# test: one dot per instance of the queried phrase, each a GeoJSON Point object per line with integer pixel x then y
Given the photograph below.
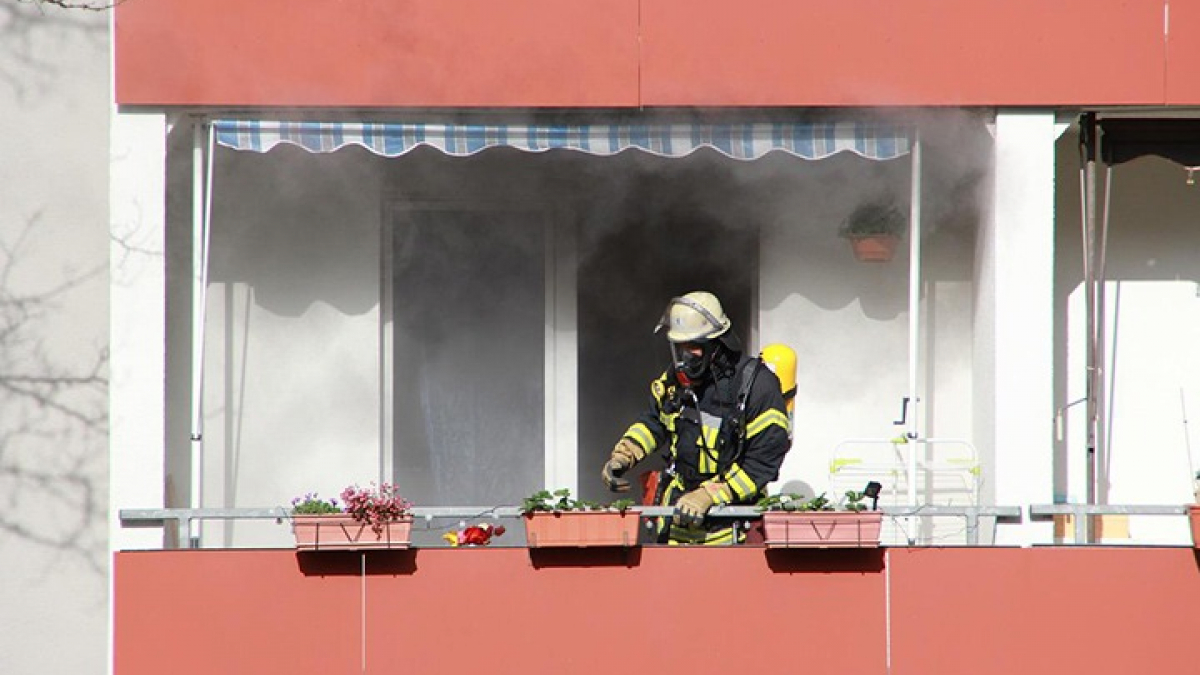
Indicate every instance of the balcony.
{"type": "Point", "coordinates": [505, 608]}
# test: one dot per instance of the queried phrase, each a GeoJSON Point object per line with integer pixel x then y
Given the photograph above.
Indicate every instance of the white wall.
{"type": "Point", "coordinates": [53, 338]}
{"type": "Point", "coordinates": [1022, 254]}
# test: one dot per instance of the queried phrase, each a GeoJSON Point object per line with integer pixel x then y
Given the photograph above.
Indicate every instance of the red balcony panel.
{"type": "Point", "coordinates": [498, 611]}
{"type": "Point", "coordinates": [1044, 611]}
{"type": "Point", "coordinates": [233, 611]}
{"type": "Point", "coordinates": [349, 53]}
{"type": "Point", "coordinates": [589, 612]}
{"type": "Point", "coordinates": [1183, 54]}
{"type": "Point", "coordinates": [915, 52]}
{"type": "Point", "coordinates": [956, 610]}
{"type": "Point", "coordinates": [626, 53]}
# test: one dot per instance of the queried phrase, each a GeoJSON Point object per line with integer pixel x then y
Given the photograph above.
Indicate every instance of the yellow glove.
{"type": "Point", "coordinates": [694, 505]}
{"type": "Point", "coordinates": [624, 456]}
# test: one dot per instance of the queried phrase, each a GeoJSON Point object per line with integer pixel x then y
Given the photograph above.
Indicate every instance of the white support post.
{"type": "Point", "coordinates": [914, 316]}
{"type": "Point", "coordinates": [1020, 241]}
{"type": "Point", "coordinates": [137, 331]}
{"type": "Point", "coordinates": [137, 212]}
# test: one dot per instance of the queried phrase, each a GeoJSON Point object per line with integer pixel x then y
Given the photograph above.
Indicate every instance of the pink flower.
{"type": "Point", "coordinates": [375, 506]}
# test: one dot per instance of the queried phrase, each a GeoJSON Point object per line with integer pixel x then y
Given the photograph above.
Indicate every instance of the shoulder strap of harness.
{"type": "Point", "coordinates": [733, 428]}
{"type": "Point", "coordinates": [749, 374]}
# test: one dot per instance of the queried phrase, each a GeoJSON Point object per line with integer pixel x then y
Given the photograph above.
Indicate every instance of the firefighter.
{"type": "Point", "coordinates": [717, 416]}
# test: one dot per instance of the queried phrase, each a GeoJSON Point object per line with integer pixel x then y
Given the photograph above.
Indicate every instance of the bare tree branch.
{"type": "Point", "coordinates": [26, 67]}
{"type": "Point", "coordinates": [67, 4]}
{"type": "Point", "coordinates": [53, 413]}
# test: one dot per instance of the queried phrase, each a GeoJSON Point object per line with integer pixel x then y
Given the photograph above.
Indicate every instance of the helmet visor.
{"type": "Point", "coordinates": [686, 320]}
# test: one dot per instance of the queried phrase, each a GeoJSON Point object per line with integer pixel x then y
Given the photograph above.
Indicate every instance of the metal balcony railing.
{"type": "Point", "coordinates": [183, 518]}
{"type": "Point", "coordinates": [1081, 514]}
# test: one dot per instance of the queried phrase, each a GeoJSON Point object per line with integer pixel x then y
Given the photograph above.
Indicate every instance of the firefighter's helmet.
{"type": "Point", "coordinates": [697, 320]}
{"type": "Point", "coordinates": [695, 317]}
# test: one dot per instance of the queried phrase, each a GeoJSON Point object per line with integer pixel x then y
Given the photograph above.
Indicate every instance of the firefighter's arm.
{"type": "Point", "coordinates": [767, 442]}
{"type": "Point", "coordinates": [648, 433]}
{"type": "Point", "coordinates": [642, 438]}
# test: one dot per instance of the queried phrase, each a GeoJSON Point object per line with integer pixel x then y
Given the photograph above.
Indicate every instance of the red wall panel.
{"type": "Point", "coordinates": [587, 613]}
{"type": "Point", "coordinates": [232, 612]}
{"type": "Point", "coordinates": [1044, 611]}
{"type": "Point", "coordinates": [662, 610]}
{"type": "Point", "coordinates": [1183, 54]}
{"type": "Point", "coordinates": [915, 52]}
{"type": "Point", "coordinates": [629, 53]}
{"type": "Point", "coordinates": [351, 53]}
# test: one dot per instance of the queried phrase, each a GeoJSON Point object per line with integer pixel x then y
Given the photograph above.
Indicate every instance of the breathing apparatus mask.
{"type": "Point", "coordinates": [692, 361]}
{"type": "Point", "coordinates": [697, 328]}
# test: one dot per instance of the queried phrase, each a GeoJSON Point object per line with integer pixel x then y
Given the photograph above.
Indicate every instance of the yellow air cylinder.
{"type": "Point", "coordinates": [781, 359]}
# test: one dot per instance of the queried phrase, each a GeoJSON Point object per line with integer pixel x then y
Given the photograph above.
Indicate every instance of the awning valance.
{"type": "Point", "coordinates": [739, 140]}
{"type": "Point", "coordinates": [1175, 139]}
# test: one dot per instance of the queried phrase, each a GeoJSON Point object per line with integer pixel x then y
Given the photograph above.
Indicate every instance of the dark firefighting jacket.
{"type": "Point", "coordinates": [705, 438]}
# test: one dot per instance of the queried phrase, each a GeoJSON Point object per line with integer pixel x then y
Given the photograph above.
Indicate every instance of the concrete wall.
{"type": "Point", "coordinates": [1021, 255]}
{"type": "Point", "coordinates": [53, 338]}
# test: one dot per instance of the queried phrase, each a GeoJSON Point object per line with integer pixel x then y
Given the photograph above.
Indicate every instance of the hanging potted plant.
{"type": "Point", "coordinates": [874, 230]}
{"type": "Point", "coordinates": [369, 518]}
{"type": "Point", "coordinates": [790, 521]}
{"type": "Point", "coordinates": [554, 519]}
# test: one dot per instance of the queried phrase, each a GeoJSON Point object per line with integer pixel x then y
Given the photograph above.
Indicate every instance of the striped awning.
{"type": "Point", "coordinates": [739, 141]}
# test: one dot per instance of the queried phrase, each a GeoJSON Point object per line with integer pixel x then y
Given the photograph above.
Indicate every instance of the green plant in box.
{"type": "Point", "coordinates": [560, 500]}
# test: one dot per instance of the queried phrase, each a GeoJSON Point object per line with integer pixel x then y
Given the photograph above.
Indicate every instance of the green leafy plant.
{"type": "Point", "coordinates": [312, 504]}
{"type": "Point", "coordinates": [853, 501]}
{"type": "Point", "coordinates": [880, 217]}
{"type": "Point", "coordinates": [621, 505]}
{"type": "Point", "coordinates": [794, 502]}
{"type": "Point", "coordinates": [560, 500]}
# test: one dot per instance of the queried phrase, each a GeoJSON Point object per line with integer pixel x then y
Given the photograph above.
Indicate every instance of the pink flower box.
{"type": "Point", "coordinates": [341, 532]}
{"type": "Point", "coordinates": [822, 529]}
{"type": "Point", "coordinates": [581, 528]}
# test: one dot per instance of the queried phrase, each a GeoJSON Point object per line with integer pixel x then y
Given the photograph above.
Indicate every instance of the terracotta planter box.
{"type": "Point", "coordinates": [822, 529]}
{"type": "Point", "coordinates": [582, 528]}
{"type": "Point", "coordinates": [340, 532]}
{"type": "Point", "coordinates": [874, 248]}
{"type": "Point", "coordinates": [1194, 520]}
